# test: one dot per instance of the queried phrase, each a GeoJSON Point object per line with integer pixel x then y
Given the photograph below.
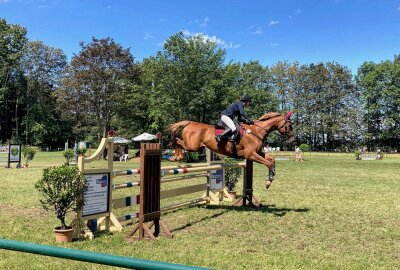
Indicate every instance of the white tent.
{"type": "Point", "coordinates": [145, 137]}
{"type": "Point", "coordinates": [121, 140]}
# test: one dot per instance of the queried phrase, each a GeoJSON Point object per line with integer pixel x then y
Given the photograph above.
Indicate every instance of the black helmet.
{"type": "Point", "coordinates": [245, 98]}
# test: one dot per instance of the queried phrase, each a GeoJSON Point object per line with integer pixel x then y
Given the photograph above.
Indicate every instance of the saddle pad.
{"type": "Point", "coordinates": [220, 131]}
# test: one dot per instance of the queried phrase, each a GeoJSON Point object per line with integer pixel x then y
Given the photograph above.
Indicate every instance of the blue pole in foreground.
{"type": "Point", "coordinates": [93, 257]}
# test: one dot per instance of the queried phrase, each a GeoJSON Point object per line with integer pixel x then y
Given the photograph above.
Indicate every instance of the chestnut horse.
{"type": "Point", "coordinates": [196, 135]}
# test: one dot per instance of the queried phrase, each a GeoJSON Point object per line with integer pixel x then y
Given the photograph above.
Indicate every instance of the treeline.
{"type": "Point", "coordinates": [46, 100]}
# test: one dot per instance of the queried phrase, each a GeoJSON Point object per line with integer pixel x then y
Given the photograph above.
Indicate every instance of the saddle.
{"type": "Point", "coordinates": [220, 127]}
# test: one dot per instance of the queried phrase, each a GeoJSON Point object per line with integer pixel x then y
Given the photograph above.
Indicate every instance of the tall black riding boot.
{"type": "Point", "coordinates": [224, 135]}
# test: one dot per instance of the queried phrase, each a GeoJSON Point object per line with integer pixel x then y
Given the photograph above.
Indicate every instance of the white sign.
{"type": "Point", "coordinates": [96, 197]}
{"type": "Point", "coordinates": [216, 179]}
{"type": "Point", "coordinates": [15, 153]}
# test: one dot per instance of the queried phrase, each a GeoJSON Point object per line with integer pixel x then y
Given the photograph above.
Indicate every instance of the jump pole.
{"type": "Point", "coordinates": [92, 257]}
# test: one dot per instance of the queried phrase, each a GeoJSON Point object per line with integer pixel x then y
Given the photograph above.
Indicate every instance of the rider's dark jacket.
{"type": "Point", "coordinates": [236, 109]}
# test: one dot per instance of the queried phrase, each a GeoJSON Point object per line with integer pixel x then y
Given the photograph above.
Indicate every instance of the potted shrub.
{"type": "Point", "coordinates": [81, 151]}
{"type": "Point", "coordinates": [231, 177]}
{"type": "Point", "coordinates": [29, 153]}
{"type": "Point", "coordinates": [68, 155]}
{"type": "Point", "coordinates": [62, 190]}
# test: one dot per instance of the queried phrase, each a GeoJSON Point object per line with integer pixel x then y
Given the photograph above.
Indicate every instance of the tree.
{"type": "Point", "coordinates": [42, 67]}
{"type": "Point", "coordinates": [184, 81]}
{"type": "Point", "coordinates": [92, 84]}
{"type": "Point", "coordinates": [380, 88]}
{"type": "Point", "coordinates": [12, 42]}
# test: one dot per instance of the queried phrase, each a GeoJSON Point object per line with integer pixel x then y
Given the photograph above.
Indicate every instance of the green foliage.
{"type": "Point", "coordinates": [192, 157]}
{"type": "Point", "coordinates": [97, 76]}
{"type": "Point", "coordinates": [231, 174]}
{"type": "Point", "coordinates": [81, 151]}
{"type": "Point", "coordinates": [68, 155]}
{"type": "Point", "coordinates": [357, 154]}
{"type": "Point", "coordinates": [28, 152]}
{"type": "Point", "coordinates": [304, 147]}
{"type": "Point", "coordinates": [62, 190]}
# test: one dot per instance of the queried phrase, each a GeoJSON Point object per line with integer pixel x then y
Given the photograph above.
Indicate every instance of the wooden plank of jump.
{"type": "Point", "coordinates": [150, 182]}
{"type": "Point", "coordinates": [169, 193]}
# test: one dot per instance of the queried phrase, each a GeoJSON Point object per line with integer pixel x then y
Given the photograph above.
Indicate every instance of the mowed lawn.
{"type": "Point", "coordinates": [329, 212]}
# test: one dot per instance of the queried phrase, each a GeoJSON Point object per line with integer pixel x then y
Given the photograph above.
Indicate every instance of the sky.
{"type": "Point", "coordinates": [347, 32]}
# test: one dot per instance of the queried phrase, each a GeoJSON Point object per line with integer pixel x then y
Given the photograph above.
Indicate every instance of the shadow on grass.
{"type": "Point", "coordinates": [270, 209]}
{"type": "Point", "coordinates": [187, 225]}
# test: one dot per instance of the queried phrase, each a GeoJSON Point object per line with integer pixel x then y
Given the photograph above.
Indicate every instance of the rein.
{"type": "Point", "coordinates": [284, 125]}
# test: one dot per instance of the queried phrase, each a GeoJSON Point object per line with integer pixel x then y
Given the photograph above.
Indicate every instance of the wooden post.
{"type": "Point", "coordinates": [248, 198]}
{"type": "Point", "coordinates": [150, 185]}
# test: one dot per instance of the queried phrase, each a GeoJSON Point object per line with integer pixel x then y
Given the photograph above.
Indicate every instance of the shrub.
{"type": "Point", "coordinates": [231, 174]}
{"type": "Point", "coordinates": [357, 154]}
{"type": "Point", "coordinates": [29, 153]}
{"type": "Point", "coordinates": [192, 157]}
{"type": "Point", "coordinates": [68, 155]}
{"type": "Point", "coordinates": [304, 147]}
{"type": "Point", "coordinates": [81, 151]}
{"type": "Point", "coordinates": [62, 189]}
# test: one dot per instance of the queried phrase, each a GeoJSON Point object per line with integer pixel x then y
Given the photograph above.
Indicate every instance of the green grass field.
{"type": "Point", "coordinates": [329, 212]}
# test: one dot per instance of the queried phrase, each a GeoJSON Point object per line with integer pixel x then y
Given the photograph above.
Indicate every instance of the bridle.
{"type": "Point", "coordinates": [285, 134]}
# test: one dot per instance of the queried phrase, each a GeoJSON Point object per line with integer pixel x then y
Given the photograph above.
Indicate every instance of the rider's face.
{"type": "Point", "coordinates": [247, 103]}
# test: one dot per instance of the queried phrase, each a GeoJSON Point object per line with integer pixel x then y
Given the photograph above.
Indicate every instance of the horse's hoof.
{"type": "Point", "coordinates": [268, 183]}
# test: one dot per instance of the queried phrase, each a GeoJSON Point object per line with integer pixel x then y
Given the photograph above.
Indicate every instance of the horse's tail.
{"type": "Point", "coordinates": [174, 129]}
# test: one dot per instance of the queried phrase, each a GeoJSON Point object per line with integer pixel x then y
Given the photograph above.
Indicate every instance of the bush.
{"type": "Point", "coordinates": [29, 153]}
{"type": "Point", "coordinates": [231, 174]}
{"type": "Point", "coordinates": [68, 155]}
{"type": "Point", "coordinates": [304, 147]}
{"type": "Point", "coordinates": [62, 189]}
{"type": "Point", "coordinates": [192, 157]}
{"type": "Point", "coordinates": [357, 154]}
{"type": "Point", "coordinates": [81, 151]}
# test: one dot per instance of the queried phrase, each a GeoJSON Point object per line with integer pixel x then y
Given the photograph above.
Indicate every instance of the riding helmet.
{"type": "Point", "coordinates": [245, 98]}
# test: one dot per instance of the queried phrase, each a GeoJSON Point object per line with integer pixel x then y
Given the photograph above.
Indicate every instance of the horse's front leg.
{"type": "Point", "coordinates": [272, 169]}
{"type": "Point", "coordinates": [268, 161]}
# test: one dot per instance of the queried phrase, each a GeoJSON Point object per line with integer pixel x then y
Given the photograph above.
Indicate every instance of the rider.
{"type": "Point", "coordinates": [235, 109]}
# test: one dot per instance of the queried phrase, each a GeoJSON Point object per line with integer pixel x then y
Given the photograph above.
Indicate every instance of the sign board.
{"type": "Point", "coordinates": [98, 194]}
{"type": "Point", "coordinates": [14, 154]}
{"type": "Point", "coordinates": [216, 179]}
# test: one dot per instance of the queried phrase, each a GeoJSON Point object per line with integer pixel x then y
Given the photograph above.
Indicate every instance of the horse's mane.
{"type": "Point", "coordinates": [268, 116]}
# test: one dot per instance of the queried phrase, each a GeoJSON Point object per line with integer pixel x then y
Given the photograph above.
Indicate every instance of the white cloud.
{"type": "Point", "coordinates": [204, 23]}
{"type": "Point", "coordinates": [108, 7]}
{"type": "Point", "coordinates": [271, 23]}
{"type": "Point", "coordinates": [255, 29]}
{"type": "Point", "coordinates": [199, 23]}
{"type": "Point", "coordinates": [398, 8]}
{"type": "Point", "coordinates": [5, 1]}
{"type": "Point", "coordinates": [298, 11]}
{"type": "Point", "coordinates": [148, 37]}
{"type": "Point", "coordinates": [273, 44]}
{"type": "Point", "coordinates": [214, 39]}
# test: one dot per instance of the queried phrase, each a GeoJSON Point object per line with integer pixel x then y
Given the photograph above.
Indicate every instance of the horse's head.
{"type": "Point", "coordinates": [275, 121]}
{"type": "Point", "coordinates": [285, 127]}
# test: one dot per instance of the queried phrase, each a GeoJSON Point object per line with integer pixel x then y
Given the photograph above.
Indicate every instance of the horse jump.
{"type": "Point", "coordinates": [109, 221]}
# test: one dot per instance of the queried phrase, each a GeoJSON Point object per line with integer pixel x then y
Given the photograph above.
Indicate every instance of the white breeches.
{"type": "Point", "coordinates": [228, 121]}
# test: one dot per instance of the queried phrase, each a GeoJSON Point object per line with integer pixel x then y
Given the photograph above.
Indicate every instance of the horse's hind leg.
{"type": "Point", "coordinates": [179, 154]}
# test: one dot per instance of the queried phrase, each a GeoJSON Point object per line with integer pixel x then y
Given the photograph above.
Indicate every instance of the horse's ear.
{"type": "Point", "coordinates": [288, 115]}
